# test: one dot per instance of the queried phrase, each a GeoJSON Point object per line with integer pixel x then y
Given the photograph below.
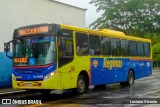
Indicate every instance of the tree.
{"type": "Point", "coordinates": [133, 17]}
{"type": "Point", "coordinates": [156, 52]}
{"type": "Point", "coordinates": [153, 37]}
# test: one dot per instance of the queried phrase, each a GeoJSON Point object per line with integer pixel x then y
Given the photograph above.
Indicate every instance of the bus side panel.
{"type": "Point", "coordinates": [141, 68]}
{"type": "Point", "coordinates": [112, 70]}
{"type": "Point", "coordinates": [147, 68]}
{"type": "Point", "coordinates": [109, 70]}
{"type": "Point", "coordinates": [99, 74]}
{"type": "Point", "coordinates": [82, 63]}
{"type": "Point", "coordinates": [135, 65]}
{"type": "Point", "coordinates": [119, 73]}
{"type": "Point", "coordinates": [65, 75]}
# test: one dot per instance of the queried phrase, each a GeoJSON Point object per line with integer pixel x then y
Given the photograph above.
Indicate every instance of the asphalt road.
{"type": "Point", "coordinates": [144, 93]}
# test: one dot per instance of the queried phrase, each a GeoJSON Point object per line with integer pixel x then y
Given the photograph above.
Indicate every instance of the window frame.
{"type": "Point", "coordinates": [148, 48]}
{"type": "Point", "coordinates": [67, 59]}
{"type": "Point", "coordinates": [76, 43]}
{"type": "Point", "coordinates": [138, 49]}
{"type": "Point", "coordinates": [93, 35]}
{"type": "Point", "coordinates": [116, 47]}
{"type": "Point", "coordinates": [69, 37]}
{"type": "Point", "coordinates": [127, 47]}
{"type": "Point", "coordinates": [108, 46]}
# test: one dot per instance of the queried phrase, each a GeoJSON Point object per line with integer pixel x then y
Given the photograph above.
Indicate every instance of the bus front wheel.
{"type": "Point", "coordinates": [81, 84]}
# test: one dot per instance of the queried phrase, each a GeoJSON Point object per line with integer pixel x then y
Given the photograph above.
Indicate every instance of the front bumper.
{"type": "Point", "coordinates": [51, 83]}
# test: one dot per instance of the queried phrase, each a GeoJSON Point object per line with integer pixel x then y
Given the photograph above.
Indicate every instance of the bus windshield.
{"type": "Point", "coordinates": [34, 51]}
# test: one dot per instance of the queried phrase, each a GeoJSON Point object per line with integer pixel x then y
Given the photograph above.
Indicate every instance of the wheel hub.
{"type": "Point", "coordinates": [81, 86]}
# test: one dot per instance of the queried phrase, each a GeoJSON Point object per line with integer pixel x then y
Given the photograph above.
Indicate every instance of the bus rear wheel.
{"type": "Point", "coordinates": [130, 80]}
{"type": "Point", "coordinates": [81, 84]}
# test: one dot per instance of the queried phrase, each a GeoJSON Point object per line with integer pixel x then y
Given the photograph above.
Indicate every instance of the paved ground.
{"type": "Point", "coordinates": [9, 90]}
{"type": "Point", "coordinates": [146, 89]}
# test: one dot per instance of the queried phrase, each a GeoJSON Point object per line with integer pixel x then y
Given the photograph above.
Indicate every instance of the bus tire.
{"type": "Point", "coordinates": [81, 84]}
{"type": "Point", "coordinates": [130, 80]}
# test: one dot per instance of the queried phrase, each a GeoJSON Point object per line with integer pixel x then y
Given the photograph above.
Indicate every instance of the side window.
{"type": "Point", "coordinates": [115, 47]}
{"type": "Point", "coordinates": [94, 45]}
{"type": "Point", "coordinates": [133, 48]}
{"type": "Point", "coordinates": [124, 48]}
{"type": "Point", "coordinates": [65, 46]}
{"type": "Point", "coordinates": [105, 45]}
{"type": "Point", "coordinates": [140, 49]}
{"type": "Point", "coordinates": [147, 49]}
{"type": "Point", "coordinates": [82, 44]}
{"type": "Point", "coordinates": [65, 43]}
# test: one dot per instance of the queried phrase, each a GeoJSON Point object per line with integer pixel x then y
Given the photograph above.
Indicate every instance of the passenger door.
{"type": "Point", "coordinates": [65, 57]}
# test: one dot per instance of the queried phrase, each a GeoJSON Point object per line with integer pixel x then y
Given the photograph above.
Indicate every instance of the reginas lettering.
{"type": "Point", "coordinates": [112, 64]}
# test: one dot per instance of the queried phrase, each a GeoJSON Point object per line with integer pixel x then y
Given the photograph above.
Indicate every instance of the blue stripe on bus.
{"type": "Point", "coordinates": [33, 74]}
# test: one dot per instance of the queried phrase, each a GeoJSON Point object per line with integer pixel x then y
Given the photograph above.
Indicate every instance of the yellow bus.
{"type": "Point", "coordinates": [58, 56]}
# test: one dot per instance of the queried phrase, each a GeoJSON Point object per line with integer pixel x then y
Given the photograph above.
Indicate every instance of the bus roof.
{"type": "Point", "coordinates": [80, 29]}
{"type": "Point", "coordinates": [105, 32]}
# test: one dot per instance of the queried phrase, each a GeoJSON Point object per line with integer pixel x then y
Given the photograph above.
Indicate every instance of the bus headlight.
{"type": "Point", "coordinates": [49, 75]}
{"type": "Point", "coordinates": [13, 77]}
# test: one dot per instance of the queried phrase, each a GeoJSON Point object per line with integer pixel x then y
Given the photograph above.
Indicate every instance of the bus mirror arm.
{"type": "Point", "coordinates": [9, 56]}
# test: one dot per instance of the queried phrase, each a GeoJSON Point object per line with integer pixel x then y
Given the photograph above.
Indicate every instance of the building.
{"type": "Point", "coordinates": [16, 13]}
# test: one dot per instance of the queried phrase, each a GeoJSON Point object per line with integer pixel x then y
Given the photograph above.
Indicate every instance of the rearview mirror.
{"type": "Point", "coordinates": [7, 49]}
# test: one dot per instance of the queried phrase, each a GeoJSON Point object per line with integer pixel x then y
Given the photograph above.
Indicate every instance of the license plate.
{"type": "Point", "coordinates": [28, 84]}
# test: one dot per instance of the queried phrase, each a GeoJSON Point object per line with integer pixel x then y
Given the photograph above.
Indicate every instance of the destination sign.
{"type": "Point", "coordinates": [31, 31]}
{"type": "Point", "coordinates": [20, 60]}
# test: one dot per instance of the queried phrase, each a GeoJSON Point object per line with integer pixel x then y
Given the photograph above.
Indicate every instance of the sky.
{"type": "Point", "coordinates": [91, 14]}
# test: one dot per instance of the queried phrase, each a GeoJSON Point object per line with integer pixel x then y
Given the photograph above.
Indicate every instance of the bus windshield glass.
{"type": "Point", "coordinates": [34, 51]}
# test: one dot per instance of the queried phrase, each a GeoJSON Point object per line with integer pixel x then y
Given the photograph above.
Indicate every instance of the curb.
{"type": "Point", "coordinates": [12, 93]}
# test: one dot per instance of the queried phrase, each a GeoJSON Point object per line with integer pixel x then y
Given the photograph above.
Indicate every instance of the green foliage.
{"type": "Point", "coordinates": [134, 17]}
{"type": "Point", "coordinates": [153, 37]}
{"type": "Point", "coordinates": [155, 40]}
{"type": "Point", "coordinates": [156, 52]}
